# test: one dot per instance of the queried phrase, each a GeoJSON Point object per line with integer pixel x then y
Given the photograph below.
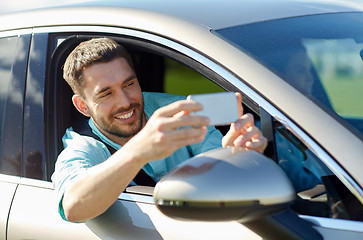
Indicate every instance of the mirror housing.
{"type": "Point", "coordinates": [224, 184]}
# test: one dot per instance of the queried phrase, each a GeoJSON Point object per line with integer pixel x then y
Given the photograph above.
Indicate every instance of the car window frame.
{"type": "Point", "coordinates": [34, 143]}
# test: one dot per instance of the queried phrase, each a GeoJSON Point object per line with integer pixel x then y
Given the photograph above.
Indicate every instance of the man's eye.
{"type": "Point", "coordinates": [105, 95]}
{"type": "Point", "coordinates": [129, 84]}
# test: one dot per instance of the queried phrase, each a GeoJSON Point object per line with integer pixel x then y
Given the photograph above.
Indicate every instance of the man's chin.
{"type": "Point", "coordinates": [127, 133]}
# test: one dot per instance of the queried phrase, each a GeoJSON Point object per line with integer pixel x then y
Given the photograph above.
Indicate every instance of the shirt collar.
{"type": "Point", "coordinates": [98, 133]}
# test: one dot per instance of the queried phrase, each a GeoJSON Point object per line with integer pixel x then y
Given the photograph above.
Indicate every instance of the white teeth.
{"type": "Point", "coordinates": [128, 115]}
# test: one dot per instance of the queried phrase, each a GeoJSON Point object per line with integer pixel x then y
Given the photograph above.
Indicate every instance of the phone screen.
{"type": "Point", "coordinates": [221, 108]}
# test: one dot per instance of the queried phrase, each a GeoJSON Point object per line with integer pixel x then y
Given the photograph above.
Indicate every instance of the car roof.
{"type": "Point", "coordinates": [212, 14]}
{"type": "Point", "coordinates": [217, 14]}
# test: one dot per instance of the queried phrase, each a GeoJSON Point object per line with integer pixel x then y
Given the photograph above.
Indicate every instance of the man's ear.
{"type": "Point", "coordinates": [80, 105]}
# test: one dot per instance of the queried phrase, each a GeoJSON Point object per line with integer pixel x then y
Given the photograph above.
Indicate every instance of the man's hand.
{"type": "Point", "coordinates": [170, 128]}
{"type": "Point", "coordinates": [244, 133]}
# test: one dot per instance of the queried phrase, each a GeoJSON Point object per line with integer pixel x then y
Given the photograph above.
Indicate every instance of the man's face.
{"type": "Point", "coordinates": [299, 71]}
{"type": "Point", "coordinates": [113, 98]}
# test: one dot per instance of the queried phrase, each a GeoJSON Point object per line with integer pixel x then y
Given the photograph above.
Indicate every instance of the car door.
{"type": "Point", "coordinates": [8, 190]}
{"type": "Point", "coordinates": [28, 207]}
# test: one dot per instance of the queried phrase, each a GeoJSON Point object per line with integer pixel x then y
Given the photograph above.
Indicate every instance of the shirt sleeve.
{"type": "Point", "coordinates": [212, 140]}
{"type": "Point", "coordinates": [291, 160]}
{"type": "Point", "coordinates": [80, 153]}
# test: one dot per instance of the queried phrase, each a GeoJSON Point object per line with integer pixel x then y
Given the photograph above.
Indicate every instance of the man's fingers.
{"type": "Point", "coordinates": [175, 139]}
{"type": "Point", "coordinates": [178, 108]}
{"type": "Point", "coordinates": [250, 134]}
{"type": "Point", "coordinates": [173, 123]}
{"type": "Point", "coordinates": [252, 139]}
{"type": "Point", "coordinates": [239, 102]}
{"type": "Point", "coordinates": [258, 144]}
{"type": "Point", "coordinates": [237, 128]}
{"type": "Point", "coordinates": [188, 136]}
{"type": "Point", "coordinates": [244, 122]}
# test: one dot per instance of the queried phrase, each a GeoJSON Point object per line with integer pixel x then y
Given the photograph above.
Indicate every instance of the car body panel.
{"type": "Point", "coordinates": [338, 234]}
{"type": "Point", "coordinates": [7, 189]}
{"type": "Point", "coordinates": [238, 12]}
{"type": "Point", "coordinates": [336, 229]}
{"type": "Point", "coordinates": [27, 221]}
{"type": "Point", "coordinates": [137, 221]}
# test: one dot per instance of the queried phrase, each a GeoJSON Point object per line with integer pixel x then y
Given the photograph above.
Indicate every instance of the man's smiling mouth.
{"type": "Point", "coordinates": [125, 116]}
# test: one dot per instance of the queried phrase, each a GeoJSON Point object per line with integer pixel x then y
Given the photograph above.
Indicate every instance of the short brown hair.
{"type": "Point", "coordinates": [96, 50]}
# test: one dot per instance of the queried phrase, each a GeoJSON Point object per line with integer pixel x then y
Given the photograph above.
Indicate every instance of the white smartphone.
{"type": "Point", "coordinates": [221, 108]}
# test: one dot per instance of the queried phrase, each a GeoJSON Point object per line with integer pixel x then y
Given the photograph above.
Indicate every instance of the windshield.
{"type": "Point", "coordinates": [319, 55]}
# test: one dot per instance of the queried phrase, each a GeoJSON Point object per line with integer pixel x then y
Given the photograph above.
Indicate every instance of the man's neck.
{"type": "Point", "coordinates": [120, 141]}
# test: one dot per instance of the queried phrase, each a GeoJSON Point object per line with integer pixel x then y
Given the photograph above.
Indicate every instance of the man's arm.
{"type": "Point", "coordinates": [98, 187]}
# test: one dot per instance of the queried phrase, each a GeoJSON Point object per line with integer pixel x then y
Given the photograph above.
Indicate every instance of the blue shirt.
{"type": "Point", "coordinates": [82, 152]}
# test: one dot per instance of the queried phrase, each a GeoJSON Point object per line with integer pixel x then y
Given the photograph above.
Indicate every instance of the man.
{"type": "Point", "coordinates": [152, 128]}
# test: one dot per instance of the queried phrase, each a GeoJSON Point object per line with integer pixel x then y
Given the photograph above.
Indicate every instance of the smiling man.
{"type": "Point", "coordinates": [149, 131]}
{"type": "Point", "coordinates": [115, 100]}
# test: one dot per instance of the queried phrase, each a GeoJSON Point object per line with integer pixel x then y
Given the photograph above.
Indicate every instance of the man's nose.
{"type": "Point", "coordinates": [122, 99]}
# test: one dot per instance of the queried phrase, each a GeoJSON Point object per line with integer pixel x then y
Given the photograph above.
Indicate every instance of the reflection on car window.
{"type": "Point", "coordinates": [320, 192]}
{"type": "Point", "coordinates": [323, 63]}
{"type": "Point", "coordinates": [340, 68]}
{"type": "Point", "coordinates": [7, 58]}
{"type": "Point", "coordinates": [339, 64]}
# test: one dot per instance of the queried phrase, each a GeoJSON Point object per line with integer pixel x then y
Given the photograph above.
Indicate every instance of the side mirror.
{"type": "Point", "coordinates": [222, 185]}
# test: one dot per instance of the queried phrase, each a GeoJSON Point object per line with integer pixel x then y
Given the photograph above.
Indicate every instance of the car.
{"type": "Point", "coordinates": [298, 65]}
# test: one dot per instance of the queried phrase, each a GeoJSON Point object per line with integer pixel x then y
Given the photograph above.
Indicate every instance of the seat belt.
{"type": "Point", "coordinates": [142, 178]}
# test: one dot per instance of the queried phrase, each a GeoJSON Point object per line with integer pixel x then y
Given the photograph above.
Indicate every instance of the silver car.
{"type": "Point", "coordinates": [298, 65]}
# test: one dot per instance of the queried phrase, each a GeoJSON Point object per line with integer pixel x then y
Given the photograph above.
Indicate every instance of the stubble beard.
{"type": "Point", "coordinates": [130, 129]}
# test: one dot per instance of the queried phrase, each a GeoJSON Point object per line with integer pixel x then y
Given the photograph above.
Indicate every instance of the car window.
{"type": "Point", "coordinates": [157, 72]}
{"type": "Point", "coordinates": [7, 48]}
{"type": "Point", "coordinates": [12, 59]}
{"type": "Point", "coordinates": [319, 191]}
{"type": "Point", "coordinates": [34, 153]}
{"type": "Point", "coordinates": [323, 63]}
{"type": "Point", "coordinates": [339, 65]}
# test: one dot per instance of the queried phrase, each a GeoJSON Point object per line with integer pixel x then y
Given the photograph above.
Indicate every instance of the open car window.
{"type": "Point", "coordinates": [158, 70]}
